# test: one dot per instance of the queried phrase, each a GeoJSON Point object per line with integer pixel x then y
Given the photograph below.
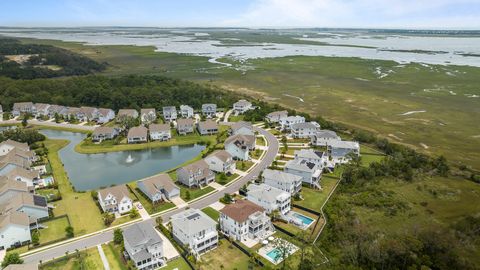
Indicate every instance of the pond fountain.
{"type": "Point", "coordinates": [129, 159]}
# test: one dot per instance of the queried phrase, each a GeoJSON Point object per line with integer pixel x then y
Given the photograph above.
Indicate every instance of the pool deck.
{"type": "Point", "coordinates": [263, 251]}
{"type": "Point", "coordinates": [305, 226]}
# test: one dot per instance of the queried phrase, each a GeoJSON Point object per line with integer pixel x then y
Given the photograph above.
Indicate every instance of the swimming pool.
{"type": "Point", "coordinates": [305, 220]}
{"type": "Point", "coordinates": [274, 254]}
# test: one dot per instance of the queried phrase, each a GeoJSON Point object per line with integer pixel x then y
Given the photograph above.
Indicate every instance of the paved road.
{"type": "Point", "coordinates": [106, 236]}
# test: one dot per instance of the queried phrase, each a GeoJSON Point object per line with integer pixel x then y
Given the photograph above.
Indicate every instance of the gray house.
{"type": "Point", "coordinates": [23, 107]}
{"type": "Point", "coordinates": [207, 127]}
{"type": "Point", "coordinates": [170, 113]}
{"type": "Point", "coordinates": [124, 113]}
{"type": "Point", "coordinates": [144, 246]}
{"type": "Point", "coordinates": [209, 110]}
{"type": "Point", "coordinates": [196, 174]}
{"type": "Point", "coordinates": [159, 187]}
{"type": "Point", "coordinates": [137, 135]}
{"type": "Point", "coordinates": [186, 111]}
{"type": "Point", "coordinates": [309, 171]}
{"type": "Point", "coordinates": [274, 117]}
{"type": "Point", "coordinates": [104, 133]}
{"type": "Point", "coordinates": [185, 126]}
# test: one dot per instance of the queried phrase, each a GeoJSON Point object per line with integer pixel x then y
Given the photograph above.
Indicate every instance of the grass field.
{"type": "Point", "coordinates": [55, 230]}
{"type": "Point", "coordinates": [217, 258]}
{"type": "Point", "coordinates": [178, 264]}
{"type": "Point", "coordinates": [147, 204]}
{"type": "Point", "coordinates": [244, 165]}
{"type": "Point", "coordinates": [194, 192]}
{"type": "Point", "coordinates": [87, 259]}
{"type": "Point", "coordinates": [214, 214]}
{"type": "Point", "coordinates": [114, 257]}
{"type": "Point", "coordinates": [226, 181]}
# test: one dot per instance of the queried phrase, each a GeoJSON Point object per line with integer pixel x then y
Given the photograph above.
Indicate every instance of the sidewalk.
{"type": "Point", "coordinates": [179, 202]}
{"type": "Point", "coordinates": [106, 266]}
{"type": "Point", "coordinates": [216, 186]}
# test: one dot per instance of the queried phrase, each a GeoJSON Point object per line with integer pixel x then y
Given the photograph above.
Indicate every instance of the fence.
{"type": "Point", "coordinates": [306, 209]}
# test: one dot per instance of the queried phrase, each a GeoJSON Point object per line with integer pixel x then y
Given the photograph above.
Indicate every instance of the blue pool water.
{"type": "Point", "coordinates": [305, 220]}
{"type": "Point", "coordinates": [274, 254]}
{"type": "Point", "coordinates": [48, 180]}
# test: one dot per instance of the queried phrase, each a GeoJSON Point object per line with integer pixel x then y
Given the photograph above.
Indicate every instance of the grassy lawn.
{"type": "Point", "coordinates": [214, 214]}
{"type": "Point", "coordinates": [275, 132]}
{"type": "Point", "coordinates": [244, 165]}
{"type": "Point", "coordinates": [225, 256]}
{"type": "Point", "coordinates": [87, 259]}
{"type": "Point", "coordinates": [178, 263]}
{"type": "Point", "coordinates": [260, 141]}
{"type": "Point", "coordinates": [237, 118]}
{"type": "Point", "coordinates": [290, 150]}
{"type": "Point", "coordinates": [55, 230]}
{"type": "Point", "coordinates": [369, 158]}
{"type": "Point", "coordinates": [226, 181]}
{"type": "Point", "coordinates": [194, 192]}
{"type": "Point", "coordinates": [122, 219]}
{"type": "Point", "coordinates": [312, 198]}
{"type": "Point", "coordinates": [147, 204]}
{"type": "Point", "coordinates": [84, 215]}
{"type": "Point", "coordinates": [256, 154]}
{"type": "Point", "coordinates": [112, 252]}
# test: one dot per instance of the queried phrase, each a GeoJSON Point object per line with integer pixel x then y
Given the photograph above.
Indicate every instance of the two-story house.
{"type": "Point", "coordinates": [287, 122]}
{"type": "Point", "coordinates": [34, 206]}
{"type": "Point", "coordinates": [14, 230]}
{"type": "Point", "coordinates": [148, 115]}
{"type": "Point", "coordinates": [239, 146]}
{"type": "Point", "coordinates": [144, 246]}
{"type": "Point", "coordinates": [304, 130]}
{"type": "Point", "coordinates": [195, 229]}
{"type": "Point", "coordinates": [87, 114]}
{"type": "Point", "coordinates": [159, 187]}
{"type": "Point", "coordinates": [105, 115]}
{"type": "Point", "coordinates": [309, 171]}
{"type": "Point", "coordinates": [274, 117]}
{"type": "Point", "coordinates": [160, 132]}
{"type": "Point", "coordinates": [287, 182]}
{"type": "Point", "coordinates": [324, 138]}
{"type": "Point", "coordinates": [207, 127]}
{"type": "Point", "coordinates": [242, 106]}
{"type": "Point", "coordinates": [195, 174]}
{"type": "Point", "coordinates": [185, 126]}
{"type": "Point", "coordinates": [115, 199]}
{"type": "Point", "coordinates": [9, 145]}
{"type": "Point", "coordinates": [242, 128]}
{"type": "Point", "coordinates": [104, 133]}
{"type": "Point", "coordinates": [244, 220]}
{"type": "Point", "coordinates": [10, 188]}
{"type": "Point", "coordinates": [126, 113]}
{"type": "Point", "coordinates": [315, 156]}
{"type": "Point", "coordinates": [170, 113]}
{"type": "Point", "coordinates": [269, 198]}
{"type": "Point", "coordinates": [23, 108]}
{"type": "Point", "coordinates": [42, 109]}
{"type": "Point", "coordinates": [186, 111]}
{"type": "Point", "coordinates": [137, 135]}
{"type": "Point", "coordinates": [221, 161]}
{"type": "Point", "coordinates": [29, 177]}
{"type": "Point", "coordinates": [339, 150]}
{"type": "Point", "coordinates": [209, 110]}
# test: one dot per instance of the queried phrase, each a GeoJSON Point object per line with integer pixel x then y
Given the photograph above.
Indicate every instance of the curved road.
{"type": "Point", "coordinates": [59, 250]}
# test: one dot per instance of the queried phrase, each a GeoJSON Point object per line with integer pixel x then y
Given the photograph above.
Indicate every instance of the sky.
{"type": "Point", "coordinates": [417, 14]}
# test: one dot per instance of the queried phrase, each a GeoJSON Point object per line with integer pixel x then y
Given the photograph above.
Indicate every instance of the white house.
{"type": "Point", "coordinates": [309, 171]}
{"type": "Point", "coordinates": [304, 130]}
{"type": "Point", "coordinates": [115, 199]}
{"type": "Point", "coordinates": [104, 133]}
{"type": "Point", "coordinates": [105, 115]}
{"type": "Point", "coordinates": [239, 146]}
{"type": "Point", "coordinates": [159, 187]}
{"type": "Point", "coordinates": [14, 230]}
{"type": "Point", "coordinates": [160, 132]}
{"type": "Point", "coordinates": [87, 114]}
{"type": "Point", "coordinates": [57, 110]}
{"type": "Point", "coordinates": [315, 156]}
{"type": "Point", "coordinates": [137, 135]}
{"type": "Point", "coordinates": [339, 150]}
{"type": "Point", "coordinates": [209, 110]}
{"type": "Point", "coordinates": [207, 127]}
{"type": "Point", "coordinates": [324, 138]}
{"type": "Point", "coordinates": [144, 246]}
{"type": "Point", "coordinates": [186, 111]}
{"type": "Point", "coordinates": [148, 115]}
{"type": "Point", "coordinates": [274, 117]}
{"type": "Point", "coordinates": [185, 126]}
{"type": "Point", "coordinates": [23, 107]}
{"type": "Point", "coordinates": [244, 220]}
{"type": "Point", "coordinates": [221, 161]}
{"type": "Point", "coordinates": [41, 109]}
{"type": "Point", "coordinates": [287, 182]}
{"type": "Point", "coordinates": [126, 113]}
{"type": "Point", "coordinates": [242, 106]}
{"type": "Point", "coordinates": [269, 198]}
{"type": "Point", "coordinates": [195, 229]}
{"type": "Point", "coordinates": [10, 188]}
{"type": "Point", "coordinates": [170, 113]}
{"type": "Point", "coordinates": [287, 122]}
{"type": "Point", "coordinates": [242, 128]}
{"type": "Point", "coordinates": [195, 174]}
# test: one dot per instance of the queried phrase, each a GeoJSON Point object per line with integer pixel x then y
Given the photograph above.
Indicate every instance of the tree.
{"type": "Point", "coordinates": [187, 195]}
{"type": "Point", "coordinates": [275, 213]}
{"type": "Point", "coordinates": [128, 122]}
{"type": "Point", "coordinates": [223, 177]}
{"type": "Point", "coordinates": [25, 120]}
{"type": "Point", "coordinates": [159, 221]}
{"type": "Point", "coordinates": [227, 198]}
{"type": "Point", "coordinates": [35, 238]}
{"type": "Point", "coordinates": [69, 231]}
{"type": "Point", "coordinates": [57, 118]}
{"type": "Point", "coordinates": [117, 236]}
{"type": "Point", "coordinates": [11, 258]}
{"type": "Point", "coordinates": [108, 218]}
{"type": "Point", "coordinates": [134, 213]}
{"type": "Point", "coordinates": [284, 249]}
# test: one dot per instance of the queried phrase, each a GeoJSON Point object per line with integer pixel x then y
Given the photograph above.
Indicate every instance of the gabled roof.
{"type": "Point", "coordinates": [209, 106]}
{"type": "Point", "coordinates": [159, 127]}
{"type": "Point", "coordinates": [119, 192]}
{"type": "Point", "coordinates": [241, 140]}
{"type": "Point", "coordinates": [308, 153]}
{"type": "Point", "coordinates": [185, 122]}
{"type": "Point", "coordinates": [42, 106]}
{"type": "Point", "coordinates": [196, 166]}
{"type": "Point", "coordinates": [280, 176]}
{"type": "Point", "coordinates": [155, 183]}
{"type": "Point", "coordinates": [24, 199]}
{"type": "Point", "coordinates": [18, 171]}
{"type": "Point", "coordinates": [277, 114]}
{"type": "Point", "coordinates": [221, 154]}
{"type": "Point", "coordinates": [147, 111]}
{"type": "Point", "coordinates": [141, 235]}
{"type": "Point", "coordinates": [8, 184]}
{"type": "Point", "coordinates": [192, 221]}
{"type": "Point", "coordinates": [266, 192]}
{"type": "Point", "coordinates": [22, 105]}
{"type": "Point", "coordinates": [185, 107]}
{"type": "Point", "coordinates": [139, 131]}
{"type": "Point", "coordinates": [344, 144]}
{"type": "Point", "coordinates": [22, 146]}
{"type": "Point", "coordinates": [208, 124]}
{"type": "Point", "coordinates": [326, 134]}
{"type": "Point", "coordinates": [293, 118]}
{"type": "Point", "coordinates": [18, 218]}
{"type": "Point", "coordinates": [104, 112]}
{"type": "Point", "coordinates": [306, 125]}
{"type": "Point", "coordinates": [242, 102]}
{"type": "Point", "coordinates": [103, 130]}
{"type": "Point", "coordinates": [169, 109]}
{"type": "Point", "coordinates": [301, 165]}
{"type": "Point", "coordinates": [73, 110]}
{"type": "Point", "coordinates": [241, 210]}
{"type": "Point", "coordinates": [242, 124]}
{"type": "Point", "coordinates": [127, 112]}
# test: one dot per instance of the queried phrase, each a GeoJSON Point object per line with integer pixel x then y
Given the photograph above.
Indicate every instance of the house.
{"type": "Point", "coordinates": [115, 199]}
{"type": "Point", "coordinates": [239, 146]}
{"type": "Point", "coordinates": [324, 138]}
{"type": "Point", "coordinates": [270, 198]}
{"type": "Point", "coordinates": [221, 161]}
{"type": "Point", "coordinates": [16, 158]}
{"type": "Point", "coordinates": [196, 230]}
{"type": "Point", "coordinates": [185, 126]}
{"type": "Point", "coordinates": [57, 110]}
{"type": "Point", "coordinates": [14, 230]}
{"type": "Point", "coordinates": [160, 132]}
{"type": "Point", "coordinates": [207, 127]}
{"type": "Point", "coordinates": [87, 114]}
{"type": "Point", "coordinates": [41, 109]}
{"type": "Point", "coordinates": [170, 113]}
{"type": "Point", "coordinates": [195, 174]}
{"type": "Point", "coordinates": [339, 150]}
{"type": "Point", "coordinates": [309, 171]}
{"type": "Point", "coordinates": [244, 220]}
{"type": "Point", "coordinates": [186, 111]}
{"type": "Point", "coordinates": [22, 108]}
{"type": "Point", "coordinates": [287, 182]}
{"type": "Point", "coordinates": [274, 117]}
{"type": "Point", "coordinates": [105, 115]}
{"type": "Point", "coordinates": [10, 188]}
{"type": "Point", "coordinates": [137, 135]}
{"type": "Point", "coordinates": [29, 177]}
{"type": "Point", "coordinates": [126, 113]}
{"type": "Point", "coordinates": [148, 115]}
{"type": "Point", "coordinates": [72, 113]}
{"type": "Point", "coordinates": [242, 106]}
{"type": "Point", "coordinates": [287, 122]}
{"type": "Point", "coordinates": [243, 128]}
{"type": "Point", "coordinates": [159, 188]}
{"type": "Point", "coordinates": [8, 145]}
{"type": "Point", "coordinates": [34, 206]}
{"type": "Point", "coordinates": [144, 246]}
{"type": "Point", "coordinates": [311, 155]}
{"type": "Point", "coordinates": [209, 110]}
{"type": "Point", "coordinates": [104, 133]}
{"type": "Point", "coordinates": [304, 130]}
{"type": "Point", "coordinates": [30, 266]}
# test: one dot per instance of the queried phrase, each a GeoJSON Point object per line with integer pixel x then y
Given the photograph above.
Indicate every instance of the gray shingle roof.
{"type": "Point", "coordinates": [266, 192]}
{"type": "Point", "coordinates": [141, 235]}
{"type": "Point", "coordinates": [281, 176]}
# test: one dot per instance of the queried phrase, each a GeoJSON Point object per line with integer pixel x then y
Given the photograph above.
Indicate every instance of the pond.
{"type": "Point", "coordinates": [92, 171]}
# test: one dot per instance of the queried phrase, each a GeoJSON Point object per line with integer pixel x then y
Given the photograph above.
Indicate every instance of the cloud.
{"type": "Point", "coordinates": [360, 13]}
